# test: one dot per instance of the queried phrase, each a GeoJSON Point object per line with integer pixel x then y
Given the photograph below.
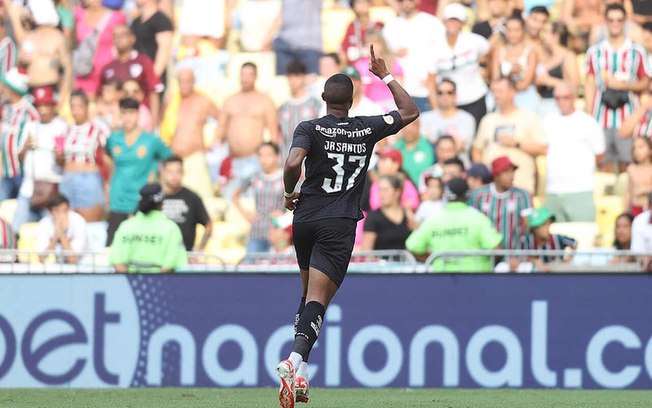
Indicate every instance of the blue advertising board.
{"type": "Point", "coordinates": [228, 330]}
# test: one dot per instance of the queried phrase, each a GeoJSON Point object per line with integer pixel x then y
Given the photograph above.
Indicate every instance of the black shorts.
{"type": "Point", "coordinates": [325, 245]}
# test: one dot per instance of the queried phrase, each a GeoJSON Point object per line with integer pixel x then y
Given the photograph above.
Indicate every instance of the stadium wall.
{"type": "Point", "coordinates": [227, 330]}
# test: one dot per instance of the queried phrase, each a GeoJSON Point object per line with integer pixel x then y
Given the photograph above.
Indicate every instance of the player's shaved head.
{"type": "Point", "coordinates": [338, 92]}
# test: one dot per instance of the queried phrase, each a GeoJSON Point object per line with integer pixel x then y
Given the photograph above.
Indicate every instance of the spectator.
{"type": "Point", "coordinates": [642, 234]}
{"type": "Point", "coordinates": [452, 168]}
{"type": "Point", "coordinates": [183, 206]}
{"type": "Point", "coordinates": [131, 89]}
{"type": "Point", "coordinates": [83, 158]}
{"type": "Point", "coordinates": [494, 27]}
{"type": "Point", "coordinates": [639, 174]}
{"type": "Point", "coordinates": [355, 43]}
{"type": "Point", "coordinates": [135, 155]}
{"type": "Point", "coordinates": [639, 123]}
{"type": "Point", "coordinates": [432, 199]}
{"type": "Point", "coordinates": [457, 227]}
{"type": "Point", "coordinates": [374, 88]}
{"type": "Point", "coordinates": [411, 37]}
{"type": "Point", "coordinates": [297, 35]}
{"type": "Point", "coordinates": [130, 64]}
{"type": "Point", "coordinates": [580, 16]}
{"type": "Point", "coordinates": [517, 60]}
{"type": "Point", "coordinates": [623, 237]}
{"type": "Point", "coordinates": [267, 188]}
{"type": "Point", "coordinates": [575, 143]}
{"type": "Point", "coordinates": [248, 112]}
{"type": "Point", "coordinates": [617, 71]}
{"type": "Point", "coordinates": [415, 150]}
{"type": "Point", "coordinates": [204, 21]}
{"type": "Point", "coordinates": [506, 205]}
{"type": "Point", "coordinates": [67, 21]}
{"type": "Point", "coordinates": [61, 230]}
{"type": "Point", "coordinates": [510, 131]}
{"type": "Point", "coordinates": [153, 32]}
{"type": "Point", "coordinates": [186, 136]}
{"type": "Point", "coordinates": [458, 59]}
{"type": "Point", "coordinates": [390, 163]}
{"type": "Point", "coordinates": [301, 105]}
{"type": "Point", "coordinates": [447, 119]}
{"type": "Point", "coordinates": [7, 242]}
{"type": "Point", "coordinates": [8, 52]}
{"type": "Point", "coordinates": [362, 106]}
{"type": "Point", "coordinates": [444, 150]}
{"type": "Point", "coordinates": [558, 64]}
{"type": "Point", "coordinates": [43, 48]}
{"type": "Point", "coordinates": [107, 105]}
{"type": "Point", "coordinates": [646, 41]}
{"type": "Point", "coordinates": [599, 32]}
{"type": "Point", "coordinates": [389, 226]}
{"type": "Point", "coordinates": [37, 157]}
{"type": "Point", "coordinates": [149, 241]}
{"type": "Point", "coordinates": [478, 175]}
{"type": "Point", "coordinates": [541, 239]}
{"type": "Point", "coordinates": [280, 235]}
{"type": "Point", "coordinates": [536, 19]}
{"type": "Point", "coordinates": [18, 117]}
{"type": "Point", "coordinates": [95, 19]}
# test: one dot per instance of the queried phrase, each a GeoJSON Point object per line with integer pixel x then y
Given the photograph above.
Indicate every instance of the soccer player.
{"type": "Point", "coordinates": [337, 150]}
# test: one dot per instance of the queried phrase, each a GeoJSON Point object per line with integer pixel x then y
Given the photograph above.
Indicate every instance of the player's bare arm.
{"type": "Point", "coordinates": [406, 106]}
{"type": "Point", "coordinates": [291, 175]}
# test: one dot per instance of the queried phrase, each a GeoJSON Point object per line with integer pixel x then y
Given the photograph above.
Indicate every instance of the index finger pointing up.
{"type": "Point", "coordinates": [371, 51]}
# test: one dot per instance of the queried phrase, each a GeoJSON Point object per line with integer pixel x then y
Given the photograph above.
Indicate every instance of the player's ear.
{"type": "Point", "coordinates": [323, 96]}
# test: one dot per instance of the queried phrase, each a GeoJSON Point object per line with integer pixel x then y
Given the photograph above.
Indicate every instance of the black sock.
{"type": "Point", "coordinates": [308, 328]}
{"type": "Point", "coordinates": [302, 305]}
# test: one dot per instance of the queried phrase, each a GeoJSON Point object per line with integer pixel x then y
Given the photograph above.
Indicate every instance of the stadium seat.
{"type": "Point", "coordinates": [216, 207]}
{"type": "Point", "coordinates": [334, 21]}
{"type": "Point", "coordinates": [603, 184]}
{"type": "Point", "coordinates": [382, 14]}
{"type": "Point", "coordinates": [585, 233]}
{"type": "Point", "coordinates": [277, 88]}
{"type": "Point", "coordinates": [607, 209]}
{"type": "Point", "coordinates": [27, 242]}
{"type": "Point", "coordinates": [234, 216]}
{"type": "Point", "coordinates": [538, 201]}
{"type": "Point", "coordinates": [622, 184]}
{"type": "Point", "coordinates": [541, 176]}
{"type": "Point", "coordinates": [8, 209]}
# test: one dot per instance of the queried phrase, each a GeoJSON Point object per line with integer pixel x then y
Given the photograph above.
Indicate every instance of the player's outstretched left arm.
{"type": "Point", "coordinates": [404, 102]}
{"type": "Point", "coordinates": [291, 174]}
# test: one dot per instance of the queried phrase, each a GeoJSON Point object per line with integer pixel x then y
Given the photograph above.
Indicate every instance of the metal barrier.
{"type": "Point", "coordinates": [15, 261]}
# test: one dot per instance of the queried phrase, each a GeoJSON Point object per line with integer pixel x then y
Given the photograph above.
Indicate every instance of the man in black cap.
{"type": "Point", "coordinates": [478, 175]}
{"type": "Point", "coordinates": [457, 227]}
{"type": "Point", "coordinates": [148, 241]}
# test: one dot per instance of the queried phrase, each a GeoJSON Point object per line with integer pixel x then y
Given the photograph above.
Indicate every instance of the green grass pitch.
{"type": "Point", "coordinates": [325, 398]}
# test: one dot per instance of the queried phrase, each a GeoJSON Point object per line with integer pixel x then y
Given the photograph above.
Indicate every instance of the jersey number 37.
{"type": "Point", "coordinates": [332, 186]}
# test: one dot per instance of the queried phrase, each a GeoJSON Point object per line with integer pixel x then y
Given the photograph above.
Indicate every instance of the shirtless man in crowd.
{"type": "Point", "coordinates": [244, 118]}
{"type": "Point", "coordinates": [188, 141]}
{"type": "Point", "coordinates": [43, 48]}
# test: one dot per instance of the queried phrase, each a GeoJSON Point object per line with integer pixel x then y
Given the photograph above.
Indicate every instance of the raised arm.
{"type": "Point", "coordinates": [407, 109]}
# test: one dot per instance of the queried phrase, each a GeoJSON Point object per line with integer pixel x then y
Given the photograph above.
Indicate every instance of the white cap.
{"type": "Point", "coordinates": [16, 81]}
{"type": "Point", "coordinates": [455, 11]}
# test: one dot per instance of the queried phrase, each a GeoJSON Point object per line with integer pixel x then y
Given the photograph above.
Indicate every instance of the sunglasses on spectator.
{"type": "Point", "coordinates": [445, 92]}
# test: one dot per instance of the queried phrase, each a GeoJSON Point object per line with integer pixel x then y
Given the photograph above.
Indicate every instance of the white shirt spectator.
{"type": "Point", "coordinates": [427, 209]}
{"type": "Point", "coordinates": [433, 125]}
{"type": "Point", "coordinates": [573, 142]}
{"type": "Point", "coordinates": [76, 232]}
{"type": "Point", "coordinates": [40, 163]}
{"type": "Point", "coordinates": [642, 233]}
{"type": "Point", "coordinates": [460, 64]}
{"type": "Point", "coordinates": [417, 35]}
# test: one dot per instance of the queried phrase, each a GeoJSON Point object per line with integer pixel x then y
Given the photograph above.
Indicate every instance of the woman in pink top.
{"type": "Point", "coordinates": [87, 19]}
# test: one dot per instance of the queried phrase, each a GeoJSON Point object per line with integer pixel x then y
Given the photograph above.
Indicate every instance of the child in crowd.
{"type": "Point", "coordinates": [107, 106]}
{"type": "Point", "coordinates": [432, 199]}
{"type": "Point", "coordinates": [639, 174]}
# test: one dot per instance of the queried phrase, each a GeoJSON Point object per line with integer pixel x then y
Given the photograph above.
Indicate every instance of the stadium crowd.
{"type": "Point", "coordinates": [542, 107]}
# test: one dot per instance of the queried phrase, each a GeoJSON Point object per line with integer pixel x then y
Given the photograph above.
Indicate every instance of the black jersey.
{"type": "Point", "coordinates": [339, 150]}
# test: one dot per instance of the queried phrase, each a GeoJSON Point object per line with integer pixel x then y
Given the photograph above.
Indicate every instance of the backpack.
{"type": "Point", "coordinates": [83, 55]}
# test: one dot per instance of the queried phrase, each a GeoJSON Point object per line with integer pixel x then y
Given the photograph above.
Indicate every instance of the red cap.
{"type": "Point", "coordinates": [44, 95]}
{"type": "Point", "coordinates": [393, 154]}
{"type": "Point", "coordinates": [501, 164]}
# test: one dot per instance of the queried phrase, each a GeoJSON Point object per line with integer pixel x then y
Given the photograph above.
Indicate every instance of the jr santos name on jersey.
{"type": "Point", "coordinates": [341, 147]}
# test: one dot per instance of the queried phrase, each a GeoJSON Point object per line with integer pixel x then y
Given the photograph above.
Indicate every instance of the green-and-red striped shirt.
{"type": "Point", "coordinates": [628, 63]}
{"type": "Point", "coordinates": [293, 112]}
{"type": "Point", "coordinates": [268, 195]}
{"type": "Point", "coordinates": [505, 210]}
{"type": "Point", "coordinates": [644, 127]}
{"type": "Point", "coordinates": [554, 243]}
{"type": "Point", "coordinates": [17, 120]}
